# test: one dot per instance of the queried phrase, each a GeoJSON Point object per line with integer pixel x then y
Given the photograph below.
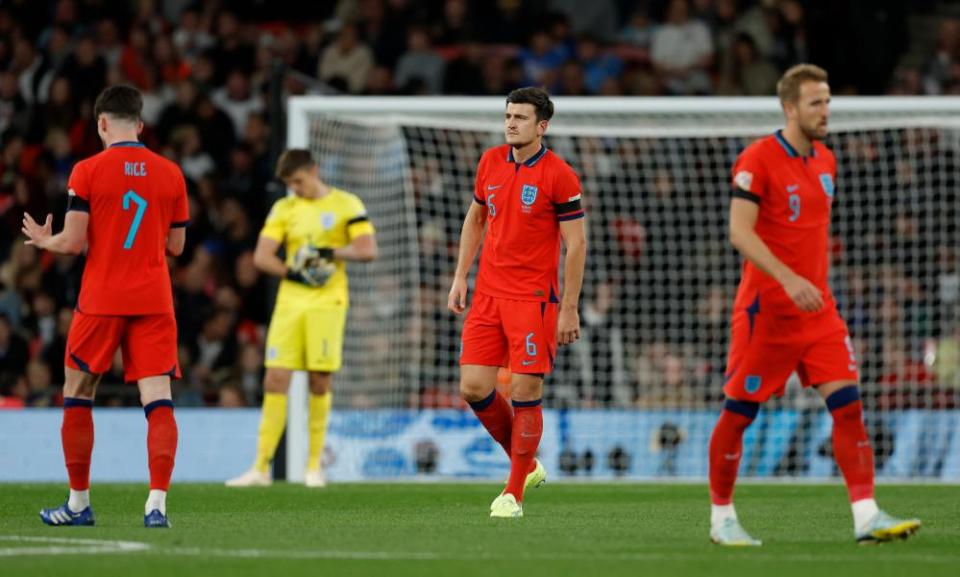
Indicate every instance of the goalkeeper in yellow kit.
{"type": "Point", "coordinates": [319, 228]}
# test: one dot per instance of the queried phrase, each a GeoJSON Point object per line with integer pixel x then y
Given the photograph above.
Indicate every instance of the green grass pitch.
{"type": "Point", "coordinates": [388, 530]}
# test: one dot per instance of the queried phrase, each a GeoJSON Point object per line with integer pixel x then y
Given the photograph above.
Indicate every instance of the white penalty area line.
{"type": "Point", "coordinates": [74, 546]}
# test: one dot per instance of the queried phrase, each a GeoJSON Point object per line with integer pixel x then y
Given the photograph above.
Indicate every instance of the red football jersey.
{"type": "Point", "coordinates": [525, 204]}
{"type": "Point", "coordinates": [134, 198]}
{"type": "Point", "coordinates": [795, 194]}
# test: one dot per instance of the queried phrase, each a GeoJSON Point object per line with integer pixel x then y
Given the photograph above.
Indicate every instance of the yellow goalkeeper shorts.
{"type": "Point", "coordinates": [308, 339]}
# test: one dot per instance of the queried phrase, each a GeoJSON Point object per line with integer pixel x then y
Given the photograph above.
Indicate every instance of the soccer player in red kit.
{"type": "Point", "coordinates": [785, 318]}
{"type": "Point", "coordinates": [527, 199]}
{"type": "Point", "coordinates": [128, 207]}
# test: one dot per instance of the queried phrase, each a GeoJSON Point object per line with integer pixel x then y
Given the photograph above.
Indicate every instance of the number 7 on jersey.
{"type": "Point", "coordinates": [135, 225]}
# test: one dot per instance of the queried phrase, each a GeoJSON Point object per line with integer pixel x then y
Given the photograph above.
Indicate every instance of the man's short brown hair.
{"type": "Point", "coordinates": [121, 101]}
{"type": "Point", "coordinates": [292, 160]}
{"type": "Point", "coordinates": [788, 88]}
{"type": "Point", "coordinates": [538, 97]}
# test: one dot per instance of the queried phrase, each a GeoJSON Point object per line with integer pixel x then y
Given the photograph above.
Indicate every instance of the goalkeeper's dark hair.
{"type": "Point", "coordinates": [538, 97]}
{"type": "Point", "coordinates": [292, 160]}
{"type": "Point", "coordinates": [123, 102]}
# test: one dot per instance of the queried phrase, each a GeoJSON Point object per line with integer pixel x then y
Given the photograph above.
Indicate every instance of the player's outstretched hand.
{"type": "Point", "coordinates": [36, 234]}
{"type": "Point", "coordinates": [568, 326]}
{"type": "Point", "coordinates": [457, 301]}
{"type": "Point", "coordinates": [803, 293]}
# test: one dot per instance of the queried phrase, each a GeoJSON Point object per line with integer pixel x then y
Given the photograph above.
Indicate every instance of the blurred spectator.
{"type": "Point", "coordinates": [682, 51]}
{"type": "Point", "coordinates": [230, 398]}
{"type": "Point", "coordinates": [192, 158]}
{"type": "Point", "coordinates": [41, 391]}
{"type": "Point", "coordinates": [598, 66]}
{"type": "Point", "coordinates": [751, 75]}
{"type": "Point", "coordinates": [420, 62]}
{"type": "Point", "coordinates": [571, 81]}
{"type": "Point", "coordinates": [943, 66]}
{"type": "Point", "coordinates": [542, 59]}
{"type": "Point", "coordinates": [13, 107]}
{"type": "Point", "coordinates": [13, 355]}
{"type": "Point", "coordinates": [638, 33]}
{"type": "Point", "coordinates": [595, 17]}
{"type": "Point", "coordinates": [456, 26]}
{"type": "Point", "coordinates": [347, 59]}
{"type": "Point", "coordinates": [464, 74]}
{"type": "Point", "coordinates": [237, 100]}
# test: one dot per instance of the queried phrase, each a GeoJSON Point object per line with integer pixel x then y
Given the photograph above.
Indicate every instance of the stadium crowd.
{"type": "Point", "coordinates": [205, 68]}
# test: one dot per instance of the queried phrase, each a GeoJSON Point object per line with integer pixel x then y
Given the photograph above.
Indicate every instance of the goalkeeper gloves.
{"type": "Point", "coordinates": [311, 266]}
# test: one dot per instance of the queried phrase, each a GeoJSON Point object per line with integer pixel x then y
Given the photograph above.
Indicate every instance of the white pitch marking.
{"type": "Point", "coordinates": [68, 546]}
{"type": "Point", "coordinates": [76, 546]}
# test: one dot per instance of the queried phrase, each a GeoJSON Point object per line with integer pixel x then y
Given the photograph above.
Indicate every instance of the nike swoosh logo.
{"type": "Point", "coordinates": [852, 368]}
{"type": "Point", "coordinates": [527, 363]}
{"type": "Point", "coordinates": [527, 435]}
{"type": "Point", "coordinates": [493, 186]}
{"type": "Point", "coordinates": [732, 456]}
{"type": "Point", "coordinates": [792, 187]}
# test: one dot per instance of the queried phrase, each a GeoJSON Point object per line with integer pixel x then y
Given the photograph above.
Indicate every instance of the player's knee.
{"type": "Point", "coordinates": [320, 383]}
{"type": "Point", "coordinates": [79, 384]}
{"type": "Point", "coordinates": [276, 381]}
{"type": "Point", "coordinates": [526, 387]}
{"type": "Point", "coordinates": [473, 391]}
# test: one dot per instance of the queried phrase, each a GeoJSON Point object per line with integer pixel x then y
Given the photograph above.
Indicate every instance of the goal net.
{"type": "Point", "coordinates": [637, 396]}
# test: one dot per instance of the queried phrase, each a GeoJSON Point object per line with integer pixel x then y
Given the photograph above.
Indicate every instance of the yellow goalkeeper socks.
{"type": "Point", "coordinates": [273, 419]}
{"type": "Point", "coordinates": [319, 418]}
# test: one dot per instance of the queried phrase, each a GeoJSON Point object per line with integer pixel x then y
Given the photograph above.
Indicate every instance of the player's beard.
{"type": "Point", "coordinates": [815, 132]}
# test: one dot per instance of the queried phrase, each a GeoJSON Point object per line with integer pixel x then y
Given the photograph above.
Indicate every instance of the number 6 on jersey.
{"type": "Point", "coordinates": [135, 225]}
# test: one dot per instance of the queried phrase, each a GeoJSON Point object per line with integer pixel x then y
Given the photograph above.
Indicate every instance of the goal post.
{"type": "Point", "coordinates": [660, 275]}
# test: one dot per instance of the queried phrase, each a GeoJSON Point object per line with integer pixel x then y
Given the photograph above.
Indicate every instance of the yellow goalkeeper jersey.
{"type": "Point", "coordinates": [332, 221]}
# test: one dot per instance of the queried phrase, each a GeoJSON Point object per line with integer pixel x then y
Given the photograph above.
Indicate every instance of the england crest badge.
{"type": "Point", "coordinates": [826, 181]}
{"type": "Point", "coordinates": [528, 195]}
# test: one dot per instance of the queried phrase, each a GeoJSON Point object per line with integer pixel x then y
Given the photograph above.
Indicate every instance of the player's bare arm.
{"type": "Point", "coordinates": [361, 249]}
{"type": "Point", "coordinates": [71, 240]}
{"type": "Point", "coordinates": [743, 220]}
{"type": "Point", "coordinates": [568, 320]}
{"type": "Point", "coordinates": [470, 237]}
{"type": "Point", "coordinates": [265, 257]}
{"type": "Point", "coordinates": [176, 241]}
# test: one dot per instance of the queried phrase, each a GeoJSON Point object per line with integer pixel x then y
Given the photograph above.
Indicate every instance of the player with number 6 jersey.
{"type": "Point", "coordinates": [526, 199]}
{"type": "Point", "coordinates": [128, 208]}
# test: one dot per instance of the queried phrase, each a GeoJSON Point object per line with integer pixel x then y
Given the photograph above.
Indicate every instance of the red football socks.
{"type": "Point", "coordinates": [525, 439]}
{"type": "Point", "coordinates": [161, 443]}
{"type": "Point", "coordinates": [496, 416]}
{"type": "Point", "coordinates": [851, 445]}
{"type": "Point", "coordinates": [726, 447]}
{"type": "Point", "coordinates": [76, 435]}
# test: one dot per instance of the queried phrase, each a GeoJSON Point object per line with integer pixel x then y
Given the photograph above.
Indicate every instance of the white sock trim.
{"type": "Point", "coordinates": [157, 499]}
{"type": "Point", "coordinates": [863, 511]}
{"type": "Point", "coordinates": [79, 500]}
{"type": "Point", "coordinates": [720, 513]}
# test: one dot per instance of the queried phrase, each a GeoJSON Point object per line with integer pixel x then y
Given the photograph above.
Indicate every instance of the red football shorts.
{"type": "Point", "coordinates": [148, 344]}
{"type": "Point", "coordinates": [521, 335]}
{"type": "Point", "coordinates": [766, 349]}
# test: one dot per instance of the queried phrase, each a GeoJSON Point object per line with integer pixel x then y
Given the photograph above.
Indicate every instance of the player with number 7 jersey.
{"type": "Point", "coordinates": [128, 208]}
{"type": "Point", "coordinates": [134, 198]}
